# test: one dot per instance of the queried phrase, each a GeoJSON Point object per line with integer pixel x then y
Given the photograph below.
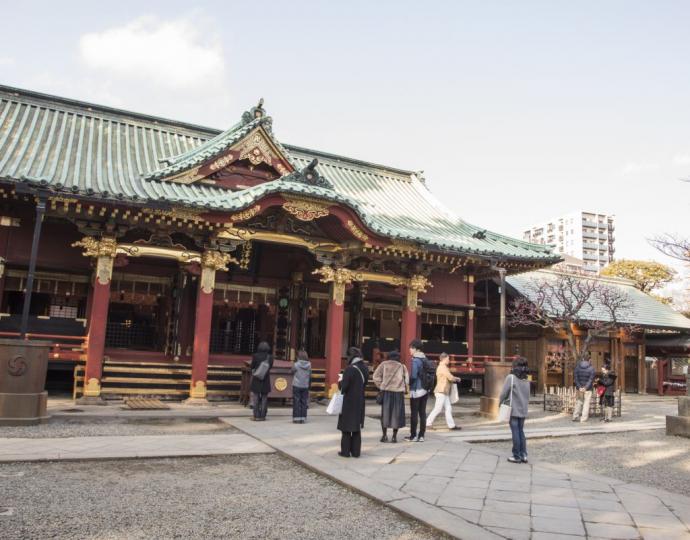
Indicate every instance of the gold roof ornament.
{"type": "Point", "coordinates": [305, 209]}
{"type": "Point", "coordinates": [216, 260]}
{"type": "Point", "coordinates": [105, 247]}
{"type": "Point", "coordinates": [340, 276]}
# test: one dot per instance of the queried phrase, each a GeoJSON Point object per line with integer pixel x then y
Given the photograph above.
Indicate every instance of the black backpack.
{"type": "Point", "coordinates": [428, 374]}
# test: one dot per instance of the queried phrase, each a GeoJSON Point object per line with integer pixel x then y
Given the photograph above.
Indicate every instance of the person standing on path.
{"type": "Point", "coordinates": [418, 393]}
{"type": "Point", "coordinates": [608, 381]}
{"type": "Point", "coordinates": [392, 380]}
{"type": "Point", "coordinates": [351, 419]}
{"type": "Point", "coordinates": [301, 377]}
{"type": "Point", "coordinates": [516, 392]}
{"type": "Point", "coordinates": [444, 384]}
{"type": "Point", "coordinates": [261, 380]}
{"type": "Point", "coordinates": [584, 378]}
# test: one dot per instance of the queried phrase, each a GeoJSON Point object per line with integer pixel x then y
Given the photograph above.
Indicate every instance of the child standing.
{"type": "Point", "coordinates": [301, 378]}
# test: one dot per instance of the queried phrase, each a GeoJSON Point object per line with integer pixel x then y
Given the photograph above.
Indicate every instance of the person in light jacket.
{"type": "Point", "coordinates": [261, 387]}
{"type": "Point", "coordinates": [301, 377]}
{"type": "Point", "coordinates": [515, 392]}
{"type": "Point", "coordinates": [392, 380]}
{"type": "Point", "coordinates": [351, 418]}
{"type": "Point", "coordinates": [444, 384]}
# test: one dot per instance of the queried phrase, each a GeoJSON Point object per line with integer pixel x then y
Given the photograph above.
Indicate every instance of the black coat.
{"type": "Point", "coordinates": [259, 386]}
{"type": "Point", "coordinates": [352, 388]}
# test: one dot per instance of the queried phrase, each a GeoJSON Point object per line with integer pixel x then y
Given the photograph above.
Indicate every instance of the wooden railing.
{"type": "Point", "coordinates": [70, 348]}
{"type": "Point", "coordinates": [464, 364]}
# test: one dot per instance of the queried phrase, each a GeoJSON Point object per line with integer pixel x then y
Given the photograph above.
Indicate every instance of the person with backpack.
{"type": "Point", "coordinates": [261, 365]}
{"type": "Point", "coordinates": [421, 384]}
{"type": "Point", "coordinates": [444, 384]}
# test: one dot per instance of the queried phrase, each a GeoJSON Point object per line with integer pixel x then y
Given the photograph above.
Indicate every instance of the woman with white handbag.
{"type": "Point", "coordinates": [514, 400]}
{"type": "Point", "coordinates": [351, 419]}
{"type": "Point", "coordinates": [445, 393]}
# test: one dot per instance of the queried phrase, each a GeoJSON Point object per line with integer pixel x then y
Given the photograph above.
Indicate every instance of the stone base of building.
{"type": "Point", "coordinates": [195, 402]}
{"type": "Point", "coordinates": [90, 400]}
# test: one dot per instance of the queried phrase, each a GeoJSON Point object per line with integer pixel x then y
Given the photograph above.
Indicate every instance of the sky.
{"type": "Point", "coordinates": [516, 111]}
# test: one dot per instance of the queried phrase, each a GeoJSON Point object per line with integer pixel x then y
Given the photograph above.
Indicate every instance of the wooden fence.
{"type": "Point", "coordinates": [562, 399]}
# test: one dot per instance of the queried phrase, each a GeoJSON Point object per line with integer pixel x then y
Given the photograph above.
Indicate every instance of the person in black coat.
{"type": "Point", "coordinates": [351, 419]}
{"type": "Point", "coordinates": [261, 387]}
{"type": "Point", "coordinates": [607, 380]}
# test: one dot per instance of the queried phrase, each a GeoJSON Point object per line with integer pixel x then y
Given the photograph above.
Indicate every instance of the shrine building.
{"type": "Point", "coordinates": [151, 242]}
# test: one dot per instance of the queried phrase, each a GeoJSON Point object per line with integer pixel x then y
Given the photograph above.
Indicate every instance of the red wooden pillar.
{"type": "Point", "coordinates": [334, 336]}
{"type": "Point", "coordinates": [104, 250]}
{"type": "Point", "coordinates": [410, 310]}
{"type": "Point", "coordinates": [469, 329]}
{"type": "Point", "coordinates": [211, 261]}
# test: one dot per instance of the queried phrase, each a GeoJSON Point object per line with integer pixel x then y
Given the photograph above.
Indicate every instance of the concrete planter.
{"type": "Point", "coordinates": [23, 369]}
{"type": "Point", "coordinates": [680, 425]}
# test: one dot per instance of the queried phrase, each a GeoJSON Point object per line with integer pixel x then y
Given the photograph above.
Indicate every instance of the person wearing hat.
{"type": "Point", "coordinates": [392, 380]}
{"type": "Point", "coordinates": [351, 419]}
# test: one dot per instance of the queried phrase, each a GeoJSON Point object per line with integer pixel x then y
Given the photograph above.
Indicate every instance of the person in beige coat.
{"type": "Point", "coordinates": [444, 382]}
{"type": "Point", "coordinates": [392, 380]}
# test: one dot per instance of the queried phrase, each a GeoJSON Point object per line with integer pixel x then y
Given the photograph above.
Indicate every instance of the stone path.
{"type": "Point", "coordinates": [475, 493]}
{"type": "Point", "coordinates": [138, 446]}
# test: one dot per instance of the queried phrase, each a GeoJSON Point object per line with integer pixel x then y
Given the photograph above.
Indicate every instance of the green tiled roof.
{"type": "Point", "coordinates": [106, 153]}
{"type": "Point", "coordinates": [644, 311]}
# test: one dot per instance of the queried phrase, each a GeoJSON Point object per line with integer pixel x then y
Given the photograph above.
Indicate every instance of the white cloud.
{"type": "Point", "coordinates": [172, 53]}
{"type": "Point", "coordinates": [6, 61]}
{"type": "Point", "coordinates": [681, 159]}
{"type": "Point", "coordinates": [636, 167]}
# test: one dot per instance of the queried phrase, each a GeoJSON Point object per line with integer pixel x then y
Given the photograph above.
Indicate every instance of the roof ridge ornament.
{"type": "Point", "coordinates": [308, 175]}
{"type": "Point", "coordinates": [254, 113]}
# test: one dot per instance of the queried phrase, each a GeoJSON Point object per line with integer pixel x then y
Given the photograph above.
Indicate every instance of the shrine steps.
{"type": "Point", "coordinates": [171, 381]}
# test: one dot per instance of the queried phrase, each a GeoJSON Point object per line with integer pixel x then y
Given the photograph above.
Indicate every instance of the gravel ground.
{"type": "Point", "coordinates": [649, 458]}
{"type": "Point", "coordinates": [247, 497]}
{"type": "Point", "coordinates": [91, 427]}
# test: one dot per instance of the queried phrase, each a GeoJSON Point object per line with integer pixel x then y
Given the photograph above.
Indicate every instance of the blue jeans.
{"type": "Point", "coordinates": [300, 403]}
{"type": "Point", "coordinates": [519, 442]}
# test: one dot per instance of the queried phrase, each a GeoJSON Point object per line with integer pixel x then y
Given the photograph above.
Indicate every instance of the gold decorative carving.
{"type": "Point", "coordinates": [92, 388]}
{"type": "Point", "coordinates": [142, 250]}
{"type": "Point", "coordinates": [175, 213]}
{"type": "Point", "coordinates": [305, 209]}
{"type": "Point", "coordinates": [280, 384]}
{"type": "Point", "coordinates": [356, 231]}
{"type": "Point", "coordinates": [246, 255]}
{"type": "Point", "coordinates": [339, 278]}
{"type": "Point", "coordinates": [245, 214]}
{"type": "Point", "coordinates": [208, 279]}
{"type": "Point", "coordinates": [198, 390]}
{"type": "Point", "coordinates": [215, 260]}
{"type": "Point", "coordinates": [257, 149]}
{"type": "Point", "coordinates": [187, 177]}
{"type": "Point", "coordinates": [415, 285]}
{"type": "Point", "coordinates": [105, 247]}
{"type": "Point", "coordinates": [403, 247]}
{"type": "Point", "coordinates": [221, 162]}
{"type": "Point", "coordinates": [282, 169]}
{"type": "Point", "coordinates": [104, 269]}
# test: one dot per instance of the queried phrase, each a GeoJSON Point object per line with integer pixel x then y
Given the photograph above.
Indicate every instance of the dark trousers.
{"type": "Point", "coordinates": [260, 405]}
{"type": "Point", "coordinates": [300, 401]}
{"type": "Point", "coordinates": [418, 412]}
{"type": "Point", "coordinates": [351, 443]}
{"type": "Point", "coordinates": [517, 426]}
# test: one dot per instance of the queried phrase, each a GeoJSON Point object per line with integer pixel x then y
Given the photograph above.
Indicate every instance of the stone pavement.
{"type": "Point", "coordinates": [474, 493]}
{"type": "Point", "coordinates": [138, 446]}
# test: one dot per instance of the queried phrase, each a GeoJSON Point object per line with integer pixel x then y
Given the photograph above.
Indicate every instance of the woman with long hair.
{"type": "Point", "coordinates": [516, 393]}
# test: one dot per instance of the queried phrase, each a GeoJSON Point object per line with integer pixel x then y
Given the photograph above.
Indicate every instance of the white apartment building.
{"type": "Point", "coordinates": [589, 236]}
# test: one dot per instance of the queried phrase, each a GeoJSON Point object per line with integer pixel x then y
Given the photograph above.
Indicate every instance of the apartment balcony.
{"type": "Point", "coordinates": [589, 223]}
{"type": "Point", "coordinates": [590, 245]}
{"type": "Point", "coordinates": [590, 257]}
{"type": "Point", "coordinates": [590, 234]}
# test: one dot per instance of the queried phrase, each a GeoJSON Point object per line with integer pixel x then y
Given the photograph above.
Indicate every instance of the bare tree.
{"type": "Point", "coordinates": [672, 245]}
{"type": "Point", "coordinates": [569, 305]}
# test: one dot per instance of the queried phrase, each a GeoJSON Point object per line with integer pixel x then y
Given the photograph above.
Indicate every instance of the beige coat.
{"type": "Point", "coordinates": [444, 380]}
{"type": "Point", "coordinates": [392, 376]}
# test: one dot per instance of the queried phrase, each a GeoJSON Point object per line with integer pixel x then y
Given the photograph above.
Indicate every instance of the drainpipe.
{"type": "Point", "coordinates": [40, 211]}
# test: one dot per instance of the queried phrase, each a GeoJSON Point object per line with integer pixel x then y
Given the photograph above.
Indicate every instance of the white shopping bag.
{"type": "Point", "coordinates": [454, 396]}
{"type": "Point", "coordinates": [335, 406]}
